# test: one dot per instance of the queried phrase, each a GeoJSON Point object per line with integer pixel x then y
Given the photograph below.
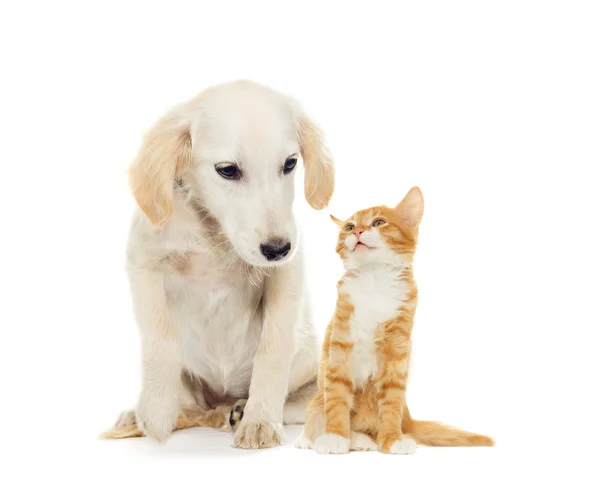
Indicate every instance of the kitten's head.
{"type": "Point", "coordinates": [381, 234]}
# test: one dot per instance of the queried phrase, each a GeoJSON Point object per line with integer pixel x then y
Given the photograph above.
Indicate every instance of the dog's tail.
{"type": "Point", "coordinates": [131, 431]}
{"type": "Point", "coordinates": [190, 416]}
{"type": "Point", "coordinates": [440, 435]}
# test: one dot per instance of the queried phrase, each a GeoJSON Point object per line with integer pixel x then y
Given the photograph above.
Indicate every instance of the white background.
{"type": "Point", "coordinates": [492, 108]}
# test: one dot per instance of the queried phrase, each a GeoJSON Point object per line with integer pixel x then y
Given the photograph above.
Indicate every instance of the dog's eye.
{"type": "Point", "coordinates": [229, 171]}
{"type": "Point", "coordinates": [349, 227]}
{"type": "Point", "coordinates": [378, 222]}
{"type": "Point", "coordinates": [289, 164]}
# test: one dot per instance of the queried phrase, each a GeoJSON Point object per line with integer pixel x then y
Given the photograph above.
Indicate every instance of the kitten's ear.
{"type": "Point", "coordinates": [337, 221]}
{"type": "Point", "coordinates": [411, 207]}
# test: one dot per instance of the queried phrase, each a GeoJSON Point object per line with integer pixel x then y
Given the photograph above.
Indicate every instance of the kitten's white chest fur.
{"type": "Point", "coordinates": [377, 293]}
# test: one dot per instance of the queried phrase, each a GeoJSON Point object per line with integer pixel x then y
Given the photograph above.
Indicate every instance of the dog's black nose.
{"type": "Point", "coordinates": [275, 249]}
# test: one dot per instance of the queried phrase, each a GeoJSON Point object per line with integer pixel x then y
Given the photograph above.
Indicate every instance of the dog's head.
{"type": "Point", "coordinates": [236, 147]}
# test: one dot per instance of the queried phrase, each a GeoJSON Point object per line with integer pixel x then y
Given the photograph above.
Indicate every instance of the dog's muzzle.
{"type": "Point", "coordinates": [275, 249]}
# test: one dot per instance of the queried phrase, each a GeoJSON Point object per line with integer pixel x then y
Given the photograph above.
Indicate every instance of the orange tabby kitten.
{"type": "Point", "coordinates": [361, 402]}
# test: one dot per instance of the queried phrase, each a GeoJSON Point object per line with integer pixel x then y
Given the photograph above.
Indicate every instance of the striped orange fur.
{"type": "Point", "coordinates": [361, 402]}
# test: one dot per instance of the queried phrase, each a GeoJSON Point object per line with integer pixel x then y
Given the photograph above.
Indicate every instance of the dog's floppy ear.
{"type": "Point", "coordinates": [165, 153]}
{"type": "Point", "coordinates": [319, 175]}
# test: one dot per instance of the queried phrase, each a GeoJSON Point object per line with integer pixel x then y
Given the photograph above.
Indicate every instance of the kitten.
{"type": "Point", "coordinates": [361, 402]}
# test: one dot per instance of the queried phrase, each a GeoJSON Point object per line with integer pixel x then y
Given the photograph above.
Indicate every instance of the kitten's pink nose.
{"type": "Point", "coordinates": [358, 233]}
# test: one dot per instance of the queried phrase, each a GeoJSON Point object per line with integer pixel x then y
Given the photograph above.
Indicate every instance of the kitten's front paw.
{"type": "Point", "coordinates": [362, 442]}
{"type": "Point", "coordinates": [332, 444]}
{"type": "Point", "coordinates": [258, 435]}
{"type": "Point", "coordinates": [303, 442]}
{"type": "Point", "coordinates": [405, 445]}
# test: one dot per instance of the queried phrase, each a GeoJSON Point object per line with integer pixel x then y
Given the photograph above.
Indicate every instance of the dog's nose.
{"type": "Point", "coordinates": [275, 249]}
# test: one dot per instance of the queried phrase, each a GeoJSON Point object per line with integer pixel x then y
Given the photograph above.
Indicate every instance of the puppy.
{"type": "Point", "coordinates": [215, 261]}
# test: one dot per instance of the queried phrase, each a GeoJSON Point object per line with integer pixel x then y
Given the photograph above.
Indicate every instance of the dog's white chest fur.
{"type": "Point", "coordinates": [213, 302]}
{"type": "Point", "coordinates": [217, 314]}
{"type": "Point", "coordinates": [377, 295]}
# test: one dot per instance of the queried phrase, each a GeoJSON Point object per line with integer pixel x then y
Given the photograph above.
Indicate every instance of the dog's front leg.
{"type": "Point", "coordinates": [158, 405]}
{"type": "Point", "coordinates": [262, 425]}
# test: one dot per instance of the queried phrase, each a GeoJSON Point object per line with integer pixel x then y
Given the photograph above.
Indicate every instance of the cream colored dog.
{"type": "Point", "coordinates": [215, 261]}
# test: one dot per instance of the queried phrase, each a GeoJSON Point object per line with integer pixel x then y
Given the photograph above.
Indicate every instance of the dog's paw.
{"type": "Point", "coordinates": [258, 435]}
{"type": "Point", "coordinates": [405, 445]}
{"type": "Point", "coordinates": [332, 444]}
{"type": "Point", "coordinates": [157, 416]}
{"type": "Point", "coordinates": [126, 418]}
{"type": "Point", "coordinates": [236, 414]}
{"type": "Point", "coordinates": [362, 442]}
{"type": "Point", "coordinates": [303, 442]}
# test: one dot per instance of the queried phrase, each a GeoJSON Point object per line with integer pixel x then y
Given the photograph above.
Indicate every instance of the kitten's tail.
{"type": "Point", "coordinates": [440, 435]}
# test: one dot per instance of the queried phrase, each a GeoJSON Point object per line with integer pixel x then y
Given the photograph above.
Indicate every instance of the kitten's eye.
{"type": "Point", "coordinates": [349, 227]}
{"type": "Point", "coordinates": [230, 171]}
{"type": "Point", "coordinates": [289, 164]}
{"type": "Point", "coordinates": [378, 222]}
